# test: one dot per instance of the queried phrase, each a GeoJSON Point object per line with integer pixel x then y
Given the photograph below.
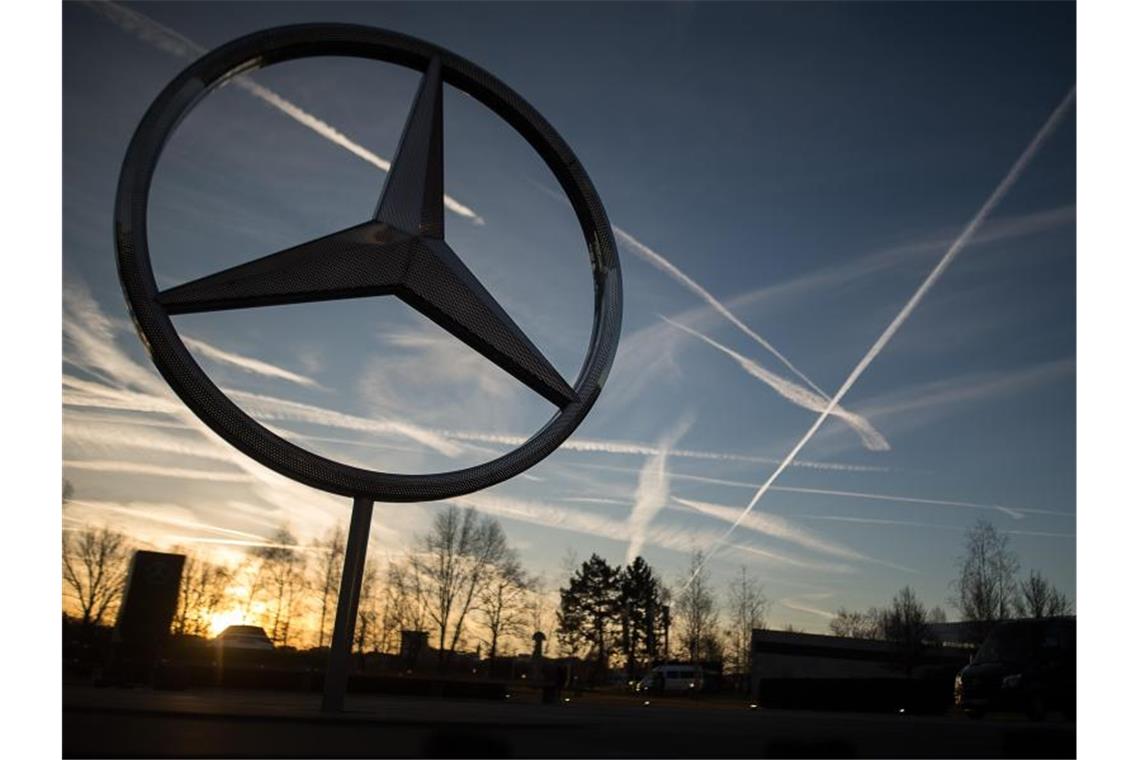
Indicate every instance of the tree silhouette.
{"type": "Point", "coordinates": [856, 625]}
{"type": "Point", "coordinates": [502, 604]}
{"type": "Point", "coordinates": [454, 561]}
{"type": "Point", "coordinates": [697, 613]}
{"type": "Point", "coordinates": [369, 635]}
{"type": "Point", "coordinates": [280, 578]}
{"type": "Point", "coordinates": [747, 606]}
{"type": "Point", "coordinates": [590, 610]}
{"type": "Point", "coordinates": [643, 601]}
{"type": "Point", "coordinates": [201, 594]}
{"type": "Point", "coordinates": [1038, 598]}
{"type": "Point", "coordinates": [404, 605]}
{"type": "Point", "coordinates": [986, 587]}
{"type": "Point", "coordinates": [905, 623]}
{"type": "Point", "coordinates": [327, 570]}
{"type": "Point", "coordinates": [95, 564]}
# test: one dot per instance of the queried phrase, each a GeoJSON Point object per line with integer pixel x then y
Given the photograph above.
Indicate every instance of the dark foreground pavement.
{"type": "Point", "coordinates": [141, 722]}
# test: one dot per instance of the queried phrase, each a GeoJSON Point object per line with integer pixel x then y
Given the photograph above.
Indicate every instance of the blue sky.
{"type": "Point", "coordinates": [806, 165]}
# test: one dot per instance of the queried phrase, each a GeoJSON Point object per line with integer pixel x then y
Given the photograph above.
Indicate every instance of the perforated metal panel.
{"type": "Point", "coordinates": [151, 312]}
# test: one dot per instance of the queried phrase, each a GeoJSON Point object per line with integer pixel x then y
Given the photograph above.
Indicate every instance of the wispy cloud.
{"type": "Point", "coordinates": [273, 408]}
{"type": "Point", "coordinates": [652, 488]}
{"type": "Point", "coordinates": [680, 539]}
{"type": "Point", "coordinates": [875, 263]}
{"type": "Point", "coordinates": [797, 394]}
{"type": "Point", "coordinates": [141, 468]}
{"type": "Point", "coordinates": [785, 530]}
{"type": "Point", "coordinates": [248, 364]}
{"type": "Point", "coordinates": [926, 526]}
{"type": "Point", "coordinates": [942, 393]}
{"type": "Point", "coordinates": [157, 512]}
{"type": "Point", "coordinates": [90, 336]}
{"type": "Point", "coordinates": [959, 243]}
{"type": "Point", "coordinates": [169, 41]}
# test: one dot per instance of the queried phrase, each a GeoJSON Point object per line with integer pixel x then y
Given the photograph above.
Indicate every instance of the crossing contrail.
{"type": "Point", "coordinates": [793, 392]}
{"type": "Point", "coordinates": [1016, 513]}
{"type": "Point", "coordinates": [666, 266]}
{"type": "Point", "coordinates": [170, 41]}
{"type": "Point", "coordinates": [952, 252]}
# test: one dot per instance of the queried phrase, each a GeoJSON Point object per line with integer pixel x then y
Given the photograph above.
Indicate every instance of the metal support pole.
{"type": "Point", "coordinates": [340, 652]}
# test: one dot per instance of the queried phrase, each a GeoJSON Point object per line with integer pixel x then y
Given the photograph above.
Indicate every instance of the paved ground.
{"type": "Point", "coordinates": [141, 722]}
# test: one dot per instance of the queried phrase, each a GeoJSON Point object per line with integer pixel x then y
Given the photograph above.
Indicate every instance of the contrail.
{"type": "Point", "coordinates": [643, 449]}
{"type": "Point", "coordinates": [778, 527]}
{"type": "Point", "coordinates": [797, 394]}
{"type": "Point", "coordinates": [652, 488]}
{"type": "Point", "coordinates": [663, 264]}
{"type": "Point", "coordinates": [152, 512]}
{"type": "Point", "coordinates": [1017, 513]}
{"type": "Point", "coordinates": [992, 201]}
{"type": "Point", "coordinates": [169, 41]}
{"type": "Point", "coordinates": [794, 603]}
{"type": "Point", "coordinates": [249, 364]}
{"type": "Point", "coordinates": [666, 266]}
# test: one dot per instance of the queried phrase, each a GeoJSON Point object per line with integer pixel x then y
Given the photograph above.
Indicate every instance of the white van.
{"type": "Point", "coordinates": [671, 679]}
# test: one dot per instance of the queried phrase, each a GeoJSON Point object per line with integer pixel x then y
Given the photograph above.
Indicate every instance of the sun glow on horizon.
{"type": "Point", "coordinates": [219, 621]}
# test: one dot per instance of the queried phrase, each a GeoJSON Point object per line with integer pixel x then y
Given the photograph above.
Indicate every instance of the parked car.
{"type": "Point", "coordinates": [1023, 665]}
{"type": "Point", "coordinates": [244, 637]}
{"type": "Point", "coordinates": [671, 679]}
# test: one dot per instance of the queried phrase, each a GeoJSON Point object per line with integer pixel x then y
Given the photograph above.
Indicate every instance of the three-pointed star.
{"type": "Point", "coordinates": [400, 252]}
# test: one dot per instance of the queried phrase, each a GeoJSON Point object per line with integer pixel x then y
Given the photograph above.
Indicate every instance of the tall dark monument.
{"type": "Point", "coordinates": [150, 600]}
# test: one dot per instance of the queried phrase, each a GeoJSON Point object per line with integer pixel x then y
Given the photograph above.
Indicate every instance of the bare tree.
{"type": "Point", "coordinates": [986, 587]}
{"type": "Point", "coordinates": [281, 572]}
{"type": "Point", "coordinates": [747, 607]}
{"type": "Point", "coordinates": [857, 625]}
{"type": "Point", "coordinates": [455, 560]}
{"type": "Point", "coordinates": [329, 552]}
{"type": "Point", "coordinates": [404, 605]}
{"type": "Point", "coordinates": [201, 594]}
{"type": "Point", "coordinates": [369, 615]}
{"type": "Point", "coordinates": [696, 611]}
{"type": "Point", "coordinates": [95, 564]}
{"type": "Point", "coordinates": [502, 603]}
{"type": "Point", "coordinates": [905, 623]}
{"type": "Point", "coordinates": [1039, 598]}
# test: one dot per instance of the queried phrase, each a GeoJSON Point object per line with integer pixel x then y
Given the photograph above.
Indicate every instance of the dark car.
{"type": "Point", "coordinates": [1024, 665]}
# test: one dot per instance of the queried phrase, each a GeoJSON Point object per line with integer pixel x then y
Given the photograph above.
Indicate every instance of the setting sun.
{"type": "Point", "coordinates": [222, 620]}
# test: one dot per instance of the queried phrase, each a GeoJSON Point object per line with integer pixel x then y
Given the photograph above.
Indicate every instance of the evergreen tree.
{"type": "Point", "coordinates": [642, 606]}
{"type": "Point", "coordinates": [590, 611]}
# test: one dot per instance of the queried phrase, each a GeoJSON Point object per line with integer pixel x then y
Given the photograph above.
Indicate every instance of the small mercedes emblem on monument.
{"type": "Point", "coordinates": [401, 251]}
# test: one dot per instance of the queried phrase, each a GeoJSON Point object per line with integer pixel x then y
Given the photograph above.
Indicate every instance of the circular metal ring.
{"type": "Point", "coordinates": [206, 400]}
